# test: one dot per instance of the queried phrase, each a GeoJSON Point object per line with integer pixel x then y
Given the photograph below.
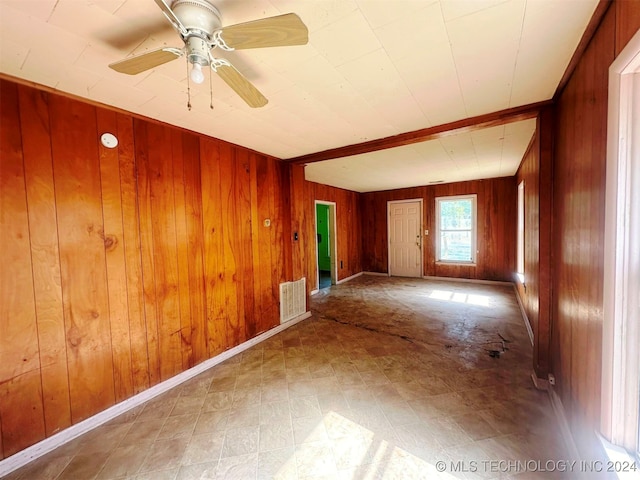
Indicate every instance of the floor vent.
{"type": "Point", "coordinates": [293, 300]}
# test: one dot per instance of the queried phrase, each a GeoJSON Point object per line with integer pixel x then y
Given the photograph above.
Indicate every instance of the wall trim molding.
{"type": "Point", "coordinates": [376, 274]}
{"type": "Point", "coordinates": [43, 447]}
{"type": "Point", "coordinates": [525, 317]}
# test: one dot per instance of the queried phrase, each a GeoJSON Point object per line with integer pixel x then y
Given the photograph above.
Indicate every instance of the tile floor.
{"type": "Point", "coordinates": [387, 379]}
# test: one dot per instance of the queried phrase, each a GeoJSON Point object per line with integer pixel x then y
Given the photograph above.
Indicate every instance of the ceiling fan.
{"type": "Point", "coordinates": [199, 26]}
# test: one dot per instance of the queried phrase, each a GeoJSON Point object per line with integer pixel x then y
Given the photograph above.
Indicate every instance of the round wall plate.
{"type": "Point", "coordinates": [109, 140]}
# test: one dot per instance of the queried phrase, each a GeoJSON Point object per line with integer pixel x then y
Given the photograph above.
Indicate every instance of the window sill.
{"type": "Point", "coordinates": [454, 264]}
{"type": "Point", "coordinates": [620, 460]}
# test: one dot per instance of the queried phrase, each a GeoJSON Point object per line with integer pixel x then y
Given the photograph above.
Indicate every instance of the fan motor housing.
{"type": "Point", "coordinates": [197, 50]}
{"type": "Point", "coordinates": [197, 15]}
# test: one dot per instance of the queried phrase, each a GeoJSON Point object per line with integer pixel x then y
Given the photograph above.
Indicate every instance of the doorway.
{"type": "Point", "coordinates": [326, 245]}
{"type": "Point", "coordinates": [405, 238]}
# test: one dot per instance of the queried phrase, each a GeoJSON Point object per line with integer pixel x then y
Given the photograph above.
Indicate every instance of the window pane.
{"type": "Point", "coordinates": [520, 251]}
{"type": "Point", "coordinates": [456, 214]}
{"type": "Point", "coordinates": [455, 246]}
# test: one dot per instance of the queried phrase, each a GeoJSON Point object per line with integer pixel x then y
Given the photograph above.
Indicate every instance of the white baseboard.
{"type": "Point", "coordinates": [563, 424]}
{"type": "Point", "coordinates": [33, 452]}
{"type": "Point", "coordinates": [468, 280]}
{"type": "Point", "coordinates": [349, 278]}
{"type": "Point", "coordinates": [313, 292]}
{"type": "Point", "coordinates": [377, 274]}
{"type": "Point", "coordinates": [525, 317]}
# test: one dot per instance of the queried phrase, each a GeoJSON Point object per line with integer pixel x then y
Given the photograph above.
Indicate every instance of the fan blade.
{"type": "Point", "coordinates": [280, 31]}
{"type": "Point", "coordinates": [241, 86]}
{"type": "Point", "coordinates": [140, 63]}
{"type": "Point", "coordinates": [175, 21]}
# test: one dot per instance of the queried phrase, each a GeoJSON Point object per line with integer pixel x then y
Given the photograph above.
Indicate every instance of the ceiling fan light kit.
{"type": "Point", "coordinates": [199, 25]}
{"type": "Point", "coordinates": [196, 73]}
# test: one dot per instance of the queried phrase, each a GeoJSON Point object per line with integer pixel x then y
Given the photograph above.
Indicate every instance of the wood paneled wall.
{"type": "Point", "coordinates": [535, 171]}
{"type": "Point", "coordinates": [123, 267]}
{"type": "Point", "coordinates": [529, 173]}
{"type": "Point", "coordinates": [497, 214]}
{"type": "Point", "coordinates": [349, 238]}
{"type": "Point", "coordinates": [578, 222]}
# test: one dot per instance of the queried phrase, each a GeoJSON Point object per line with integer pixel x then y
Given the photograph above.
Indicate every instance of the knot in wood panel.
{"type": "Point", "coordinates": [74, 337]}
{"type": "Point", "coordinates": [110, 242]}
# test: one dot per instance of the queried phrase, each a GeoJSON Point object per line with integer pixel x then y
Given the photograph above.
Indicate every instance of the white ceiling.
{"type": "Point", "coordinates": [372, 69]}
{"type": "Point", "coordinates": [487, 153]}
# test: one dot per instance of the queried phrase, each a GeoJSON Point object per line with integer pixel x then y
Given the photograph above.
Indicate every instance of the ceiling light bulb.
{"type": "Point", "coordinates": [196, 73]}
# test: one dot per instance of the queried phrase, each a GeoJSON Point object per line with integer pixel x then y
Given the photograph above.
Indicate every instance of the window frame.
{"type": "Point", "coordinates": [520, 264]}
{"type": "Point", "coordinates": [474, 228]}
{"type": "Point", "coordinates": [620, 401]}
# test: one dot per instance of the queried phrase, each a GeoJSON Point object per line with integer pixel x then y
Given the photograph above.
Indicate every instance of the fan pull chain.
{"type": "Point", "coordinates": [210, 90]}
{"type": "Point", "coordinates": [188, 87]}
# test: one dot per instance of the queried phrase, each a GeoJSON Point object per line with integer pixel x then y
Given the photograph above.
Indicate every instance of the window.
{"type": "Point", "coordinates": [520, 259]}
{"type": "Point", "coordinates": [456, 229]}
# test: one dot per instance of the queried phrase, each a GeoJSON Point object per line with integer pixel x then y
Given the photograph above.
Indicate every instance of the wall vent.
{"type": "Point", "coordinates": [293, 299]}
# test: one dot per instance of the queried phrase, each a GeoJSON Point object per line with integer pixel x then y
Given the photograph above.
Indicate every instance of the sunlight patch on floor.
{"type": "Point", "coordinates": [447, 295]}
{"type": "Point", "coordinates": [356, 453]}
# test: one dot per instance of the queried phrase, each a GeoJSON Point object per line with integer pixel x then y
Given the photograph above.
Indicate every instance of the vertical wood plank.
{"type": "Point", "coordinates": [258, 261]}
{"type": "Point", "coordinates": [164, 249]}
{"type": "Point", "coordinates": [581, 218]}
{"type": "Point", "coordinates": [213, 245]}
{"type": "Point", "coordinates": [297, 221]}
{"type": "Point", "coordinates": [21, 410]}
{"type": "Point", "coordinates": [603, 56]}
{"type": "Point", "coordinates": [145, 200]}
{"type": "Point", "coordinates": [282, 212]}
{"type": "Point", "coordinates": [82, 253]}
{"type": "Point", "coordinates": [229, 210]}
{"type": "Point", "coordinates": [22, 415]}
{"type": "Point", "coordinates": [132, 254]}
{"type": "Point", "coordinates": [246, 271]}
{"type": "Point", "coordinates": [276, 238]}
{"type": "Point", "coordinates": [113, 237]}
{"type": "Point", "coordinates": [270, 237]}
{"type": "Point", "coordinates": [627, 22]}
{"type": "Point", "coordinates": [195, 247]}
{"type": "Point", "coordinates": [34, 121]}
{"type": "Point", "coordinates": [182, 249]}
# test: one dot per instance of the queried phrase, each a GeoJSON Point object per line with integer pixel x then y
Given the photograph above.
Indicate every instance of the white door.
{"type": "Point", "coordinates": [405, 241]}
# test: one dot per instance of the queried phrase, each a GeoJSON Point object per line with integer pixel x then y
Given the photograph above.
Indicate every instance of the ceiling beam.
{"type": "Point", "coordinates": [495, 119]}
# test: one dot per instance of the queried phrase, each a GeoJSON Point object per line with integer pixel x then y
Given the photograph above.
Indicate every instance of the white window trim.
{"type": "Point", "coordinates": [621, 332]}
{"type": "Point", "coordinates": [474, 229]}
{"type": "Point", "coordinates": [520, 260]}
